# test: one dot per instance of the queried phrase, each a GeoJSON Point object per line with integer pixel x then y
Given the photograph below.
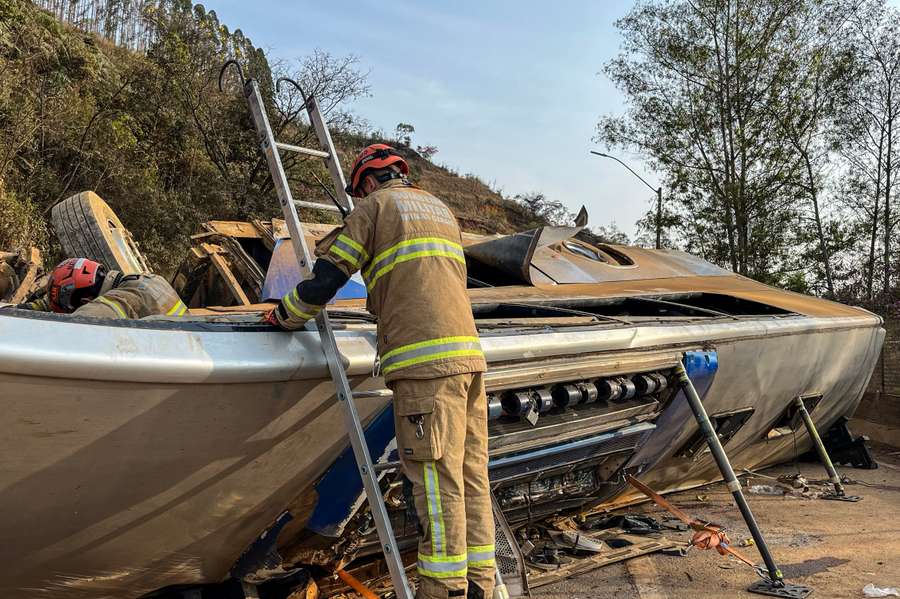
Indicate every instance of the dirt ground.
{"type": "Point", "coordinates": [834, 547]}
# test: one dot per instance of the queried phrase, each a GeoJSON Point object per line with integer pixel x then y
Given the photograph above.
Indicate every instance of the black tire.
{"type": "Point", "coordinates": [88, 228]}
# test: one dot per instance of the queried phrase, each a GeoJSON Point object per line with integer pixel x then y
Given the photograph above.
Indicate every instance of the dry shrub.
{"type": "Point", "coordinates": [21, 223]}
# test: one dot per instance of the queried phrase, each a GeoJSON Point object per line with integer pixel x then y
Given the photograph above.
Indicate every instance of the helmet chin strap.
{"type": "Point", "coordinates": [382, 177]}
{"type": "Point", "coordinates": [385, 177]}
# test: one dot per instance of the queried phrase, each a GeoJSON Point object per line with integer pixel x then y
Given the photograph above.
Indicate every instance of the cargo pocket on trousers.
{"type": "Point", "coordinates": [417, 437]}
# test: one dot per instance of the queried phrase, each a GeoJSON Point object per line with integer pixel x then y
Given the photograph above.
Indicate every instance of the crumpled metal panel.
{"type": "Point", "coordinates": [512, 254]}
{"type": "Point", "coordinates": [539, 257]}
{"type": "Point", "coordinates": [559, 268]}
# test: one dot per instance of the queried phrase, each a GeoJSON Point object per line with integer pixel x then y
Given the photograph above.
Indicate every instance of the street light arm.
{"type": "Point", "coordinates": [656, 190]}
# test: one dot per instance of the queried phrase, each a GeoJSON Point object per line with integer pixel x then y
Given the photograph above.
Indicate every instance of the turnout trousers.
{"type": "Point", "coordinates": [442, 439]}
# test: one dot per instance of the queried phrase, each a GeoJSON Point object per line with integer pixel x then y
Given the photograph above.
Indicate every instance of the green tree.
{"type": "Point", "coordinates": [706, 84]}
{"type": "Point", "coordinates": [865, 138]}
{"type": "Point", "coordinates": [150, 132]}
{"type": "Point", "coordinates": [544, 210]}
{"type": "Point", "coordinates": [403, 133]}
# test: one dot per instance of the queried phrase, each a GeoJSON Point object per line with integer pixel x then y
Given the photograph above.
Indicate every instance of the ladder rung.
{"type": "Point", "coordinates": [299, 150]}
{"type": "Point", "coordinates": [382, 466]}
{"type": "Point", "coordinates": [385, 393]}
{"type": "Point", "coordinates": [330, 207]}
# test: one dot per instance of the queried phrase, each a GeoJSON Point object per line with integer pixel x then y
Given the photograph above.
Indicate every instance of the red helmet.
{"type": "Point", "coordinates": [374, 157]}
{"type": "Point", "coordinates": [74, 282]}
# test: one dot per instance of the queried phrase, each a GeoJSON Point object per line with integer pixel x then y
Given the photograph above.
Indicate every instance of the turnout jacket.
{"type": "Point", "coordinates": [408, 246]}
{"type": "Point", "coordinates": [127, 296]}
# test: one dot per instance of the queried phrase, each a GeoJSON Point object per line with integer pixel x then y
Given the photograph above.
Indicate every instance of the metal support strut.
{"type": "Point", "coordinates": [774, 585]}
{"type": "Point", "coordinates": [839, 494]}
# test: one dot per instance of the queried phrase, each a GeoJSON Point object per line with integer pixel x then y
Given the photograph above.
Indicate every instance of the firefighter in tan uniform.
{"type": "Point", "coordinates": [407, 244]}
{"type": "Point", "coordinates": [83, 287]}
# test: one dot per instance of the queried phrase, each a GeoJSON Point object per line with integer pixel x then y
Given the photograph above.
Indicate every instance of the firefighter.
{"type": "Point", "coordinates": [408, 246]}
{"type": "Point", "coordinates": [83, 287]}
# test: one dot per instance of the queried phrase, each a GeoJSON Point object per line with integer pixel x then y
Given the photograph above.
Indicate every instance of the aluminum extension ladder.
{"type": "Point", "coordinates": [271, 148]}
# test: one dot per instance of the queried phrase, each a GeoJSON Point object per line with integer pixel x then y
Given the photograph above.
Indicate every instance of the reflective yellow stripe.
{"type": "Point", "coordinates": [430, 350]}
{"type": "Point", "coordinates": [448, 574]}
{"type": "Point", "coordinates": [413, 256]}
{"type": "Point", "coordinates": [342, 254]}
{"type": "Point", "coordinates": [430, 342]}
{"type": "Point", "coordinates": [114, 305]}
{"type": "Point", "coordinates": [482, 563]}
{"type": "Point", "coordinates": [178, 309]}
{"type": "Point", "coordinates": [435, 514]}
{"type": "Point", "coordinates": [411, 249]}
{"type": "Point", "coordinates": [355, 245]}
{"type": "Point", "coordinates": [480, 555]}
{"type": "Point", "coordinates": [349, 249]}
{"type": "Point", "coordinates": [39, 305]}
{"type": "Point", "coordinates": [442, 567]}
{"type": "Point", "coordinates": [288, 301]}
{"type": "Point", "coordinates": [460, 353]}
{"type": "Point", "coordinates": [407, 242]}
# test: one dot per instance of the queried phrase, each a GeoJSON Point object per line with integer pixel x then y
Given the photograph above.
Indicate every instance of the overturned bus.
{"type": "Point", "coordinates": [145, 456]}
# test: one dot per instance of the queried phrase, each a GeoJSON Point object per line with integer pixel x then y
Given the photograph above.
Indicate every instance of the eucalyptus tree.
{"type": "Point", "coordinates": [866, 136]}
{"type": "Point", "coordinates": [718, 98]}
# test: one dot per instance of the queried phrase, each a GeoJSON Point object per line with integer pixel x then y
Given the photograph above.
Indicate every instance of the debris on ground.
{"type": "Point", "coordinates": [576, 541]}
{"type": "Point", "coordinates": [764, 490]}
{"type": "Point", "coordinates": [549, 563]}
{"type": "Point", "coordinates": [792, 486]}
{"type": "Point", "coordinates": [810, 539]}
{"type": "Point", "coordinates": [636, 524]}
{"type": "Point", "coordinates": [870, 590]}
{"type": "Point", "coordinates": [706, 534]}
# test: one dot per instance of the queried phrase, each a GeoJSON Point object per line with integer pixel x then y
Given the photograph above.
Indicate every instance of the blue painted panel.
{"type": "Point", "coordinates": [701, 367]}
{"type": "Point", "coordinates": [341, 489]}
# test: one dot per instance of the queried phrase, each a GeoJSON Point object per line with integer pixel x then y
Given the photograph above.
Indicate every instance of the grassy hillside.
{"type": "Point", "coordinates": [478, 208]}
{"type": "Point", "coordinates": [153, 135]}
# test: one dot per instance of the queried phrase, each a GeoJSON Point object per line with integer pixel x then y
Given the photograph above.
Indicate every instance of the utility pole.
{"type": "Point", "coordinates": [658, 191]}
{"type": "Point", "coordinates": [659, 217]}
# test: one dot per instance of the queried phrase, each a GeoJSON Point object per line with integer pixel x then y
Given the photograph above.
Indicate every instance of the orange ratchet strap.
{"type": "Point", "coordinates": [706, 536]}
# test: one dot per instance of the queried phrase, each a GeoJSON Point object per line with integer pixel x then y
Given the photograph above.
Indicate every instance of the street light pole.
{"type": "Point", "coordinates": [658, 191]}
{"type": "Point", "coordinates": [659, 217]}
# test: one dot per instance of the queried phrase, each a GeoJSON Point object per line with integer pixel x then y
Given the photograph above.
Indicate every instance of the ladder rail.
{"type": "Point", "coordinates": [324, 137]}
{"type": "Point", "coordinates": [317, 120]}
{"type": "Point", "coordinates": [323, 324]}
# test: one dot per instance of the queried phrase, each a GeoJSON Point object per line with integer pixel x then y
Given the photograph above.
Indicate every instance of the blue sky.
{"type": "Point", "coordinates": [508, 90]}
